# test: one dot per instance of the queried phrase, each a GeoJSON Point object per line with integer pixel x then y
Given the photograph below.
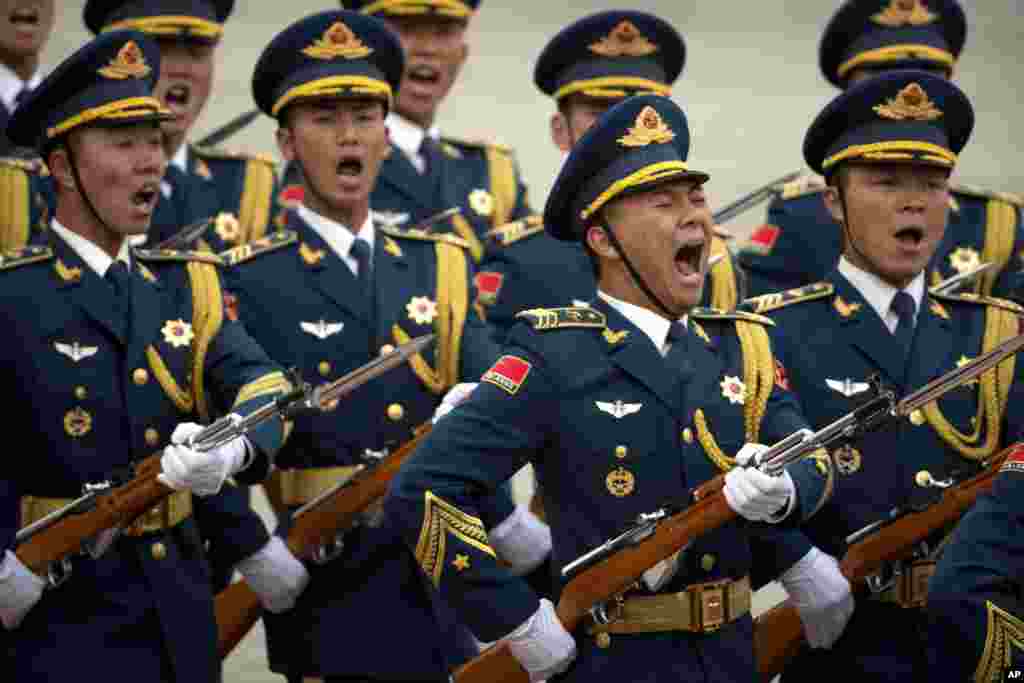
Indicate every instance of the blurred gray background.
{"type": "Point", "coordinates": [750, 88]}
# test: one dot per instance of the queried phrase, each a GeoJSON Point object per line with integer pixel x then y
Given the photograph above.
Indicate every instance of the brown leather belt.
{"type": "Point", "coordinates": [166, 515]}
{"type": "Point", "coordinates": [299, 486]}
{"type": "Point", "coordinates": [910, 589]}
{"type": "Point", "coordinates": [701, 608]}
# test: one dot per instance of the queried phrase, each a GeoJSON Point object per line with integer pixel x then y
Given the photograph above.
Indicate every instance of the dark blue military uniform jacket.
{"type": "Point", "coordinates": [299, 300]}
{"type": "Point", "coordinates": [480, 178]}
{"type": "Point", "coordinates": [552, 400]}
{"type": "Point", "coordinates": [146, 605]}
{"type": "Point", "coordinates": [975, 605]}
{"type": "Point", "coordinates": [525, 267]}
{"type": "Point", "coordinates": [831, 340]}
{"type": "Point", "coordinates": [239, 192]}
{"type": "Point", "coordinates": [800, 243]}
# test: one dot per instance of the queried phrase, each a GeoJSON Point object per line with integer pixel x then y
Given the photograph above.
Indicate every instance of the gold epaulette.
{"type": "Point", "coordinates": [972, 298]}
{"type": "Point", "coordinates": [263, 245]}
{"type": "Point", "coordinates": [719, 314]}
{"type": "Point", "coordinates": [177, 255]}
{"type": "Point", "coordinates": [975, 191]}
{"type": "Point", "coordinates": [476, 143]}
{"type": "Point", "coordinates": [770, 302]}
{"type": "Point", "coordinates": [559, 318]}
{"type": "Point", "coordinates": [28, 165]}
{"type": "Point", "coordinates": [516, 230]}
{"type": "Point", "coordinates": [220, 153]}
{"type": "Point", "coordinates": [416, 234]}
{"type": "Point", "coordinates": [19, 257]}
{"type": "Point", "coordinates": [804, 185]}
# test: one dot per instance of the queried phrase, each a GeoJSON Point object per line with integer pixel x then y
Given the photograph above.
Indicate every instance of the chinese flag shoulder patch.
{"type": "Point", "coordinates": [764, 238]}
{"type": "Point", "coordinates": [781, 378]}
{"type": "Point", "coordinates": [508, 373]}
{"type": "Point", "coordinates": [1014, 460]}
{"type": "Point", "coordinates": [488, 284]}
{"type": "Point", "coordinates": [291, 196]}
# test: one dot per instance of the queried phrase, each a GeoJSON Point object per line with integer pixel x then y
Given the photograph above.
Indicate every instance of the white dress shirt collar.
{"type": "Point", "coordinates": [407, 136]}
{"type": "Point", "coordinates": [338, 237]}
{"type": "Point", "coordinates": [650, 323]}
{"type": "Point", "coordinates": [11, 84]}
{"type": "Point", "coordinates": [880, 293]}
{"type": "Point", "coordinates": [180, 158]}
{"type": "Point", "coordinates": [94, 257]}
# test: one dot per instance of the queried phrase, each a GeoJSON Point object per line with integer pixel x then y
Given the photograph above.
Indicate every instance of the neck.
{"type": "Point", "coordinates": [172, 143]}
{"type": "Point", "coordinates": [618, 283]}
{"type": "Point", "coordinates": [424, 121]}
{"type": "Point", "coordinates": [25, 66]}
{"type": "Point", "coordinates": [351, 216]}
{"type": "Point", "coordinates": [79, 219]}
{"type": "Point", "coordinates": [859, 261]}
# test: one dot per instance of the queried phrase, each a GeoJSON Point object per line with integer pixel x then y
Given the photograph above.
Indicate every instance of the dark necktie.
{"type": "Point", "coordinates": [903, 306]}
{"type": "Point", "coordinates": [677, 355]}
{"type": "Point", "coordinates": [22, 96]}
{"type": "Point", "coordinates": [121, 283]}
{"type": "Point", "coordinates": [430, 151]}
{"type": "Point", "coordinates": [363, 254]}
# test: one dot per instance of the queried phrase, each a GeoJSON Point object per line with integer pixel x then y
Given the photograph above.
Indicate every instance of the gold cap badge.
{"type": "Point", "coordinates": [625, 40]}
{"type": "Point", "coordinates": [647, 129]}
{"type": "Point", "coordinates": [903, 12]}
{"type": "Point", "coordinates": [129, 63]}
{"type": "Point", "coordinates": [338, 41]}
{"type": "Point", "coordinates": [911, 103]}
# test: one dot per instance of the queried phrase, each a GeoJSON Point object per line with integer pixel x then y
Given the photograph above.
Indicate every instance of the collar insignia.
{"type": "Point", "coordinates": [845, 309]}
{"type": "Point", "coordinates": [68, 274]}
{"type": "Point", "coordinates": [337, 41]}
{"type": "Point", "coordinates": [910, 104]}
{"type": "Point", "coordinates": [647, 129]}
{"type": "Point", "coordinates": [129, 63]}
{"type": "Point", "coordinates": [614, 338]}
{"type": "Point", "coordinates": [939, 310]}
{"type": "Point", "coordinates": [311, 256]}
{"type": "Point", "coordinates": [625, 40]}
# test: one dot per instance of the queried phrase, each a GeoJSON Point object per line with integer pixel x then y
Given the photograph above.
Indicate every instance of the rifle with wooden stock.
{"type": "Point", "coordinates": [778, 633]}
{"type": "Point", "coordinates": [315, 528]}
{"type": "Point", "coordinates": [615, 567]}
{"type": "Point", "coordinates": [92, 522]}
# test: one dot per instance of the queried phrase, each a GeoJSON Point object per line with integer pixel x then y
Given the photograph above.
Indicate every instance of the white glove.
{"type": "Point", "coordinates": [821, 595]}
{"type": "Point", "coordinates": [202, 472]}
{"type": "Point", "coordinates": [521, 540]}
{"type": "Point", "coordinates": [456, 395]}
{"type": "Point", "coordinates": [20, 590]}
{"type": "Point", "coordinates": [276, 575]}
{"type": "Point", "coordinates": [755, 495]}
{"type": "Point", "coordinates": [541, 644]}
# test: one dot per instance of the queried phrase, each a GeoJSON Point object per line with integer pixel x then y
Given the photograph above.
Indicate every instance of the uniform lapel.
{"type": "Point", "coordinates": [393, 280]}
{"type": "Point", "coordinates": [635, 354]}
{"type": "Point", "coordinates": [399, 176]}
{"type": "Point", "coordinates": [863, 329]}
{"type": "Point", "coordinates": [86, 289]}
{"type": "Point", "coordinates": [326, 272]}
{"type": "Point", "coordinates": [933, 346]}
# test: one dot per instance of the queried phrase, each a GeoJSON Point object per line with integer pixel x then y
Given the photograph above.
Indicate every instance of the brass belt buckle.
{"type": "Point", "coordinates": [914, 583]}
{"type": "Point", "coordinates": [710, 606]}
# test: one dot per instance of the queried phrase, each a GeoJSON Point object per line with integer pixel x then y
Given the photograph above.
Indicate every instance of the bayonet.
{"type": "Point", "coordinates": [749, 201]}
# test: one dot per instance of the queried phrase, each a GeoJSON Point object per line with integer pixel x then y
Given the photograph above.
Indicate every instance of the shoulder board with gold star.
{"type": "Point", "coordinates": [770, 302]}
{"type": "Point", "coordinates": [510, 233]}
{"type": "Point", "coordinates": [804, 185]}
{"type": "Point", "coordinates": [258, 247]}
{"type": "Point", "coordinates": [476, 143]}
{"type": "Point", "coordinates": [153, 255]}
{"type": "Point", "coordinates": [415, 234]}
{"type": "Point", "coordinates": [561, 318]}
{"type": "Point", "coordinates": [219, 153]}
{"type": "Point", "coordinates": [972, 298]}
{"type": "Point", "coordinates": [974, 191]}
{"type": "Point", "coordinates": [719, 314]}
{"type": "Point", "coordinates": [22, 257]}
{"type": "Point", "coordinates": [28, 165]}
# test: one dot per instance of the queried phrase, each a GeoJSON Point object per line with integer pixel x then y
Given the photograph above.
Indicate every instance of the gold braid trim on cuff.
{"type": "Point", "coordinates": [1005, 634]}
{"type": "Point", "coordinates": [441, 518]}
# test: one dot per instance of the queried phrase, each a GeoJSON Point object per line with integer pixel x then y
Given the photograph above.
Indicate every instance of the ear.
{"type": "Point", "coordinates": [286, 142]}
{"type": "Point", "coordinates": [597, 239]}
{"type": "Point", "coordinates": [832, 203]}
{"type": "Point", "coordinates": [560, 134]}
{"type": "Point", "coordinates": [463, 55]}
{"type": "Point", "coordinates": [60, 168]}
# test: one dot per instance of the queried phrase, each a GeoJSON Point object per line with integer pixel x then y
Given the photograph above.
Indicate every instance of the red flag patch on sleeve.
{"type": "Point", "coordinates": [231, 306]}
{"type": "Point", "coordinates": [488, 284]}
{"type": "Point", "coordinates": [763, 239]}
{"type": "Point", "coordinates": [1014, 460]}
{"type": "Point", "coordinates": [781, 378]}
{"type": "Point", "coordinates": [508, 373]}
{"type": "Point", "coordinates": [291, 196]}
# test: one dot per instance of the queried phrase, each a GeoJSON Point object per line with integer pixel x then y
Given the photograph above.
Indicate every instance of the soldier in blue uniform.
{"type": "Point", "coordinates": [975, 609]}
{"type": "Point", "coordinates": [118, 350]}
{"type": "Point", "coordinates": [799, 243]}
{"type": "Point", "coordinates": [588, 67]}
{"type": "Point", "coordinates": [327, 295]}
{"type": "Point", "coordinates": [237, 191]}
{"type": "Point", "coordinates": [887, 147]}
{"type": "Point", "coordinates": [617, 424]}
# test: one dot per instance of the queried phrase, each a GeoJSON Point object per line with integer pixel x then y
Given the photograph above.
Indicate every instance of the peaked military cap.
{"type": "Point", "coordinates": [193, 20]}
{"type": "Point", "coordinates": [330, 54]}
{"type": "Point", "coordinates": [108, 81]}
{"type": "Point", "coordinates": [903, 116]}
{"type": "Point", "coordinates": [892, 34]}
{"type": "Point", "coordinates": [639, 143]}
{"type": "Point", "coordinates": [458, 9]}
{"type": "Point", "coordinates": [612, 55]}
